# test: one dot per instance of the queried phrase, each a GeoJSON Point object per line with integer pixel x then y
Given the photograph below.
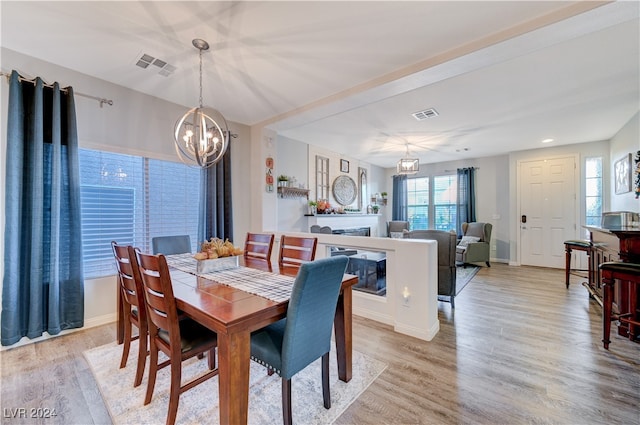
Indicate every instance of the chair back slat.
{"type": "Point", "coordinates": [296, 250]}
{"type": "Point", "coordinates": [128, 277]}
{"type": "Point", "coordinates": [158, 292]}
{"type": "Point", "coordinates": [258, 245]}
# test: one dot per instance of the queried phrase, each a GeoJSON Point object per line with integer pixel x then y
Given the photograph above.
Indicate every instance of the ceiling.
{"type": "Point", "coordinates": [347, 76]}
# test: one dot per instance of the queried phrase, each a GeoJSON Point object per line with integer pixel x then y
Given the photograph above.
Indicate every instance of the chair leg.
{"type": "Point", "coordinates": [153, 370]}
{"type": "Point", "coordinates": [142, 357]}
{"type": "Point", "coordinates": [488, 264]}
{"type": "Point", "coordinates": [174, 392]}
{"type": "Point", "coordinates": [326, 392]}
{"type": "Point", "coordinates": [286, 402]}
{"type": "Point", "coordinates": [452, 300]}
{"type": "Point", "coordinates": [127, 343]}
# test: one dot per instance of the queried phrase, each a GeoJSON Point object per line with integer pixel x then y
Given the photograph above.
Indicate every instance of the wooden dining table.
{"type": "Point", "coordinates": [233, 314]}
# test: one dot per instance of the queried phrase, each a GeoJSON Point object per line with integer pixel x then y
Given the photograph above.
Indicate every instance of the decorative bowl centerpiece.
{"type": "Point", "coordinates": [216, 255]}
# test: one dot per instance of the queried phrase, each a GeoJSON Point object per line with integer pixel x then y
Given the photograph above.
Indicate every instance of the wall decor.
{"type": "Point", "coordinates": [345, 190]}
{"type": "Point", "coordinates": [637, 174]}
{"type": "Point", "coordinates": [269, 175]}
{"type": "Point", "coordinates": [344, 166]}
{"type": "Point", "coordinates": [622, 174]}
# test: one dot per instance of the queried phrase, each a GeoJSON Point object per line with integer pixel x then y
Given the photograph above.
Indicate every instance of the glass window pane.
{"type": "Point", "coordinates": [418, 203]}
{"type": "Point", "coordinates": [129, 199]}
{"type": "Point", "coordinates": [593, 191]}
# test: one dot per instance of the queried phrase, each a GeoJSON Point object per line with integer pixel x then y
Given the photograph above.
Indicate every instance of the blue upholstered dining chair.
{"type": "Point", "coordinates": [291, 344]}
{"type": "Point", "coordinates": [168, 245]}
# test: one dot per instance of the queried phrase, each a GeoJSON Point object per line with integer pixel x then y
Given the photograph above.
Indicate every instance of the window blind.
{"type": "Point", "coordinates": [130, 199]}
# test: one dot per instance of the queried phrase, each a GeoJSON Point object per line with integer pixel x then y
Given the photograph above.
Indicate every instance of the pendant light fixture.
{"type": "Point", "coordinates": [201, 135]}
{"type": "Point", "coordinates": [408, 165]}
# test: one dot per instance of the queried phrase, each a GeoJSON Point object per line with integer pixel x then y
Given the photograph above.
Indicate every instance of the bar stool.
{"type": "Point", "coordinates": [578, 245]}
{"type": "Point", "coordinates": [612, 271]}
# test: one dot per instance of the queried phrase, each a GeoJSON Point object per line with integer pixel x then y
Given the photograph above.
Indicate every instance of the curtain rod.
{"type": "Point", "coordinates": [102, 100]}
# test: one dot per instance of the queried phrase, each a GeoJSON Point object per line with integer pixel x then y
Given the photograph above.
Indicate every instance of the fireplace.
{"type": "Point", "coordinates": [355, 231]}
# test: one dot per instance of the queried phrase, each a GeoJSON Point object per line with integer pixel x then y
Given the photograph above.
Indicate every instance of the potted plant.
{"type": "Point", "coordinates": [384, 195]}
{"type": "Point", "coordinates": [283, 180]}
{"type": "Point", "coordinates": [312, 207]}
{"type": "Point", "coordinates": [375, 209]}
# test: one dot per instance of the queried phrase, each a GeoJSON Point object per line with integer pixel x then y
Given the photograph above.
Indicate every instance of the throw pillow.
{"type": "Point", "coordinates": [466, 240]}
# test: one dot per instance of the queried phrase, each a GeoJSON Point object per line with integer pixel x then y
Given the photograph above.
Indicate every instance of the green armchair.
{"type": "Point", "coordinates": [474, 247]}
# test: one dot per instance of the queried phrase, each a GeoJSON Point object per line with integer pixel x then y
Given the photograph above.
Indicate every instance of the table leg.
{"type": "Point", "coordinates": [343, 330]}
{"type": "Point", "coordinates": [607, 287]}
{"type": "Point", "coordinates": [234, 351]}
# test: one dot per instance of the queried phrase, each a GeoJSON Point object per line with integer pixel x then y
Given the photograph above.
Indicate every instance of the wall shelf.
{"type": "Point", "coordinates": [292, 192]}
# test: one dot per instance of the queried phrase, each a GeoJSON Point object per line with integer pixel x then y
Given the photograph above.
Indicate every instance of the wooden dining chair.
{"type": "Point", "coordinates": [294, 251]}
{"type": "Point", "coordinates": [291, 344]}
{"type": "Point", "coordinates": [178, 339]}
{"type": "Point", "coordinates": [258, 245]}
{"type": "Point", "coordinates": [134, 309]}
{"type": "Point", "coordinates": [168, 245]}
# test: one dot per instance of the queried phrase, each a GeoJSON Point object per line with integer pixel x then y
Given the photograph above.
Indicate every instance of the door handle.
{"type": "Point", "coordinates": [523, 219]}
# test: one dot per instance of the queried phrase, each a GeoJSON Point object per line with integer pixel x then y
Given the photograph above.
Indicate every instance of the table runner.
{"type": "Point", "coordinates": [275, 287]}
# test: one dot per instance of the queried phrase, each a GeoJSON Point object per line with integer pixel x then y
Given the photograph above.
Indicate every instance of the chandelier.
{"type": "Point", "coordinates": [408, 165]}
{"type": "Point", "coordinates": [201, 135]}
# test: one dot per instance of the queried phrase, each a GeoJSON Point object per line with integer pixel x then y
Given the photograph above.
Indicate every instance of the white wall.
{"type": "Point", "coordinates": [295, 158]}
{"type": "Point", "coordinates": [292, 162]}
{"type": "Point", "coordinates": [411, 264]}
{"type": "Point", "coordinates": [136, 124]}
{"type": "Point", "coordinates": [626, 141]}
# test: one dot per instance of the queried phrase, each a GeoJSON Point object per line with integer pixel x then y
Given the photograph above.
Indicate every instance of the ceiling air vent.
{"type": "Point", "coordinates": [423, 115]}
{"type": "Point", "coordinates": [144, 60]}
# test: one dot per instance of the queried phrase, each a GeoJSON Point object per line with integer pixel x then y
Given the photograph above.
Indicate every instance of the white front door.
{"type": "Point", "coordinates": [547, 213]}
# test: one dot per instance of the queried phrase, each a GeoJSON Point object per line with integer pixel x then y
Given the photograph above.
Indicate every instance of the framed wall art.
{"type": "Point", "coordinates": [344, 166]}
{"type": "Point", "coordinates": [622, 174]}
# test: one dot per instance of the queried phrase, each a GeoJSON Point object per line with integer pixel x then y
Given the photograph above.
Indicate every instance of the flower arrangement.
{"type": "Point", "coordinates": [323, 206]}
{"type": "Point", "coordinates": [216, 248]}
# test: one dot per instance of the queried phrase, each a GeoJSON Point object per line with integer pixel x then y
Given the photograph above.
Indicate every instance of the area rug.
{"type": "Point", "coordinates": [464, 276]}
{"type": "Point", "coordinates": [200, 404]}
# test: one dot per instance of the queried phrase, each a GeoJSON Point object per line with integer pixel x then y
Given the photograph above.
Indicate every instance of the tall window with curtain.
{"type": "Point", "coordinates": [466, 208]}
{"type": "Point", "coordinates": [43, 287]}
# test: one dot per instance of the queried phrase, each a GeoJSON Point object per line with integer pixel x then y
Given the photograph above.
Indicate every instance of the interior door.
{"type": "Point", "coordinates": [548, 213]}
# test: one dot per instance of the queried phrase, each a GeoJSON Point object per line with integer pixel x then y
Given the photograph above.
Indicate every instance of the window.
{"type": "Point", "coordinates": [432, 208]}
{"type": "Point", "coordinates": [445, 190]}
{"type": "Point", "coordinates": [131, 199]}
{"type": "Point", "coordinates": [322, 177]}
{"type": "Point", "coordinates": [593, 191]}
{"type": "Point", "coordinates": [418, 203]}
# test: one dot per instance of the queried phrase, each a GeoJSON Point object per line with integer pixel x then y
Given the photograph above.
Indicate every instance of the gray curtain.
{"type": "Point", "coordinates": [400, 198]}
{"type": "Point", "coordinates": [43, 286]}
{"type": "Point", "coordinates": [466, 200]}
{"type": "Point", "coordinates": [216, 219]}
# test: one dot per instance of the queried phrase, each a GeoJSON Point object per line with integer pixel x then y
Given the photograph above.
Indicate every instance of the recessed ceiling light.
{"type": "Point", "coordinates": [547, 141]}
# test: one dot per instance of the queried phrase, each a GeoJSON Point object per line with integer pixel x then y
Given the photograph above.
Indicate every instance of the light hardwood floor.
{"type": "Point", "coordinates": [519, 349]}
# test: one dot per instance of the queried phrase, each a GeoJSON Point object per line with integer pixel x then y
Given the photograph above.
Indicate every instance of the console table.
{"type": "Point", "coordinates": [616, 244]}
